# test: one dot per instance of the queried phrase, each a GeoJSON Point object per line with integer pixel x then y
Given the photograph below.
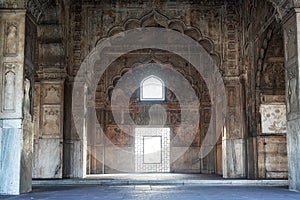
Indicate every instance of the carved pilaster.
{"type": "Point", "coordinates": [292, 63]}
{"type": "Point", "coordinates": [15, 118]}
{"type": "Point", "coordinates": [233, 140]}
{"type": "Point", "coordinates": [231, 40]}
{"type": "Point", "coordinates": [49, 124]}
{"type": "Point", "coordinates": [291, 44]}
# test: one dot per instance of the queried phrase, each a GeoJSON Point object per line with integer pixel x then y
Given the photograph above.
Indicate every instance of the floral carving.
{"type": "Point", "coordinates": [273, 118]}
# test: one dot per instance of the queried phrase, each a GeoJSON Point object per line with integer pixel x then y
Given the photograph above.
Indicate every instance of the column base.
{"type": "Point", "coordinates": [234, 165]}
{"type": "Point", "coordinates": [14, 177]}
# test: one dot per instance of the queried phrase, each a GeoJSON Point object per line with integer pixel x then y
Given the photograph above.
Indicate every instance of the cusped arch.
{"type": "Point", "coordinates": [201, 61]}
{"type": "Point", "coordinates": [109, 89]}
{"type": "Point", "coordinates": [156, 19]}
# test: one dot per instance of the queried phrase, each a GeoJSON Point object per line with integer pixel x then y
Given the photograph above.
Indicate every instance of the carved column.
{"type": "Point", "coordinates": [15, 117]}
{"type": "Point", "coordinates": [233, 140]}
{"type": "Point", "coordinates": [291, 25]}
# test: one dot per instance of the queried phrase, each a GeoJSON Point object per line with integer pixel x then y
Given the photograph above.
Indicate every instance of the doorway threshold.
{"type": "Point", "coordinates": [159, 179]}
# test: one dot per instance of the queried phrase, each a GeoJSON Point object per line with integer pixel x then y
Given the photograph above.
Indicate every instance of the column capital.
{"type": "Point", "coordinates": [12, 4]}
{"type": "Point", "coordinates": [235, 80]}
{"type": "Point", "coordinates": [296, 3]}
{"type": "Point", "coordinates": [52, 74]}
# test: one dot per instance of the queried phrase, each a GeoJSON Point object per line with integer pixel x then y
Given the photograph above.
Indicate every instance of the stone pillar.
{"type": "Point", "coordinates": [49, 99]}
{"type": "Point", "coordinates": [75, 152]}
{"type": "Point", "coordinates": [233, 140]}
{"type": "Point", "coordinates": [48, 126]}
{"type": "Point", "coordinates": [15, 118]}
{"type": "Point", "coordinates": [291, 26]}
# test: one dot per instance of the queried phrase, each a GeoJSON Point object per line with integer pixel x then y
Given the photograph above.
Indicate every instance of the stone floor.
{"type": "Point", "coordinates": [157, 192]}
{"type": "Point", "coordinates": [160, 186]}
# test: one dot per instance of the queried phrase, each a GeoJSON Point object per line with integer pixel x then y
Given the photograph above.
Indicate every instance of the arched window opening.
{"type": "Point", "coordinates": [152, 89]}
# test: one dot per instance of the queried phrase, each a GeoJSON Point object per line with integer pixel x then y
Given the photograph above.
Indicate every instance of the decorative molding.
{"type": "Point", "coordinates": [292, 93]}
{"type": "Point", "coordinates": [51, 73]}
{"type": "Point", "coordinates": [282, 7]}
{"type": "Point", "coordinates": [231, 37]}
{"type": "Point", "coordinates": [268, 99]}
{"type": "Point", "coordinates": [296, 3]}
{"type": "Point", "coordinates": [52, 94]}
{"type": "Point", "coordinates": [37, 8]}
{"type": "Point", "coordinates": [290, 44]}
{"type": "Point", "coordinates": [11, 44]}
{"type": "Point", "coordinates": [51, 121]}
{"type": "Point", "coordinates": [232, 80]}
{"type": "Point", "coordinates": [12, 4]}
{"type": "Point", "coordinates": [9, 87]}
{"type": "Point", "coordinates": [158, 19]}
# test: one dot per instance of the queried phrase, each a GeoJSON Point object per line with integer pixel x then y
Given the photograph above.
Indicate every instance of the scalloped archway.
{"type": "Point", "coordinates": [156, 19]}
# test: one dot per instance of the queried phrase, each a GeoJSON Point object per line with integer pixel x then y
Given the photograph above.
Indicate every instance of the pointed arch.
{"type": "Point", "coordinates": [152, 88]}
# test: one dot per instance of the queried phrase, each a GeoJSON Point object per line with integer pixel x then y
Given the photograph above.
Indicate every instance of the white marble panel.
{"type": "Point", "coordinates": [11, 63]}
{"type": "Point", "coordinates": [74, 159]}
{"type": "Point", "coordinates": [48, 159]}
{"type": "Point", "coordinates": [11, 144]}
{"type": "Point", "coordinates": [79, 159]}
{"type": "Point", "coordinates": [273, 118]}
{"type": "Point", "coordinates": [234, 158]}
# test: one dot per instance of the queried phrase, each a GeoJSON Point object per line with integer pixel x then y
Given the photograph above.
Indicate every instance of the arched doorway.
{"type": "Point", "coordinates": [161, 113]}
{"type": "Point", "coordinates": [203, 63]}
